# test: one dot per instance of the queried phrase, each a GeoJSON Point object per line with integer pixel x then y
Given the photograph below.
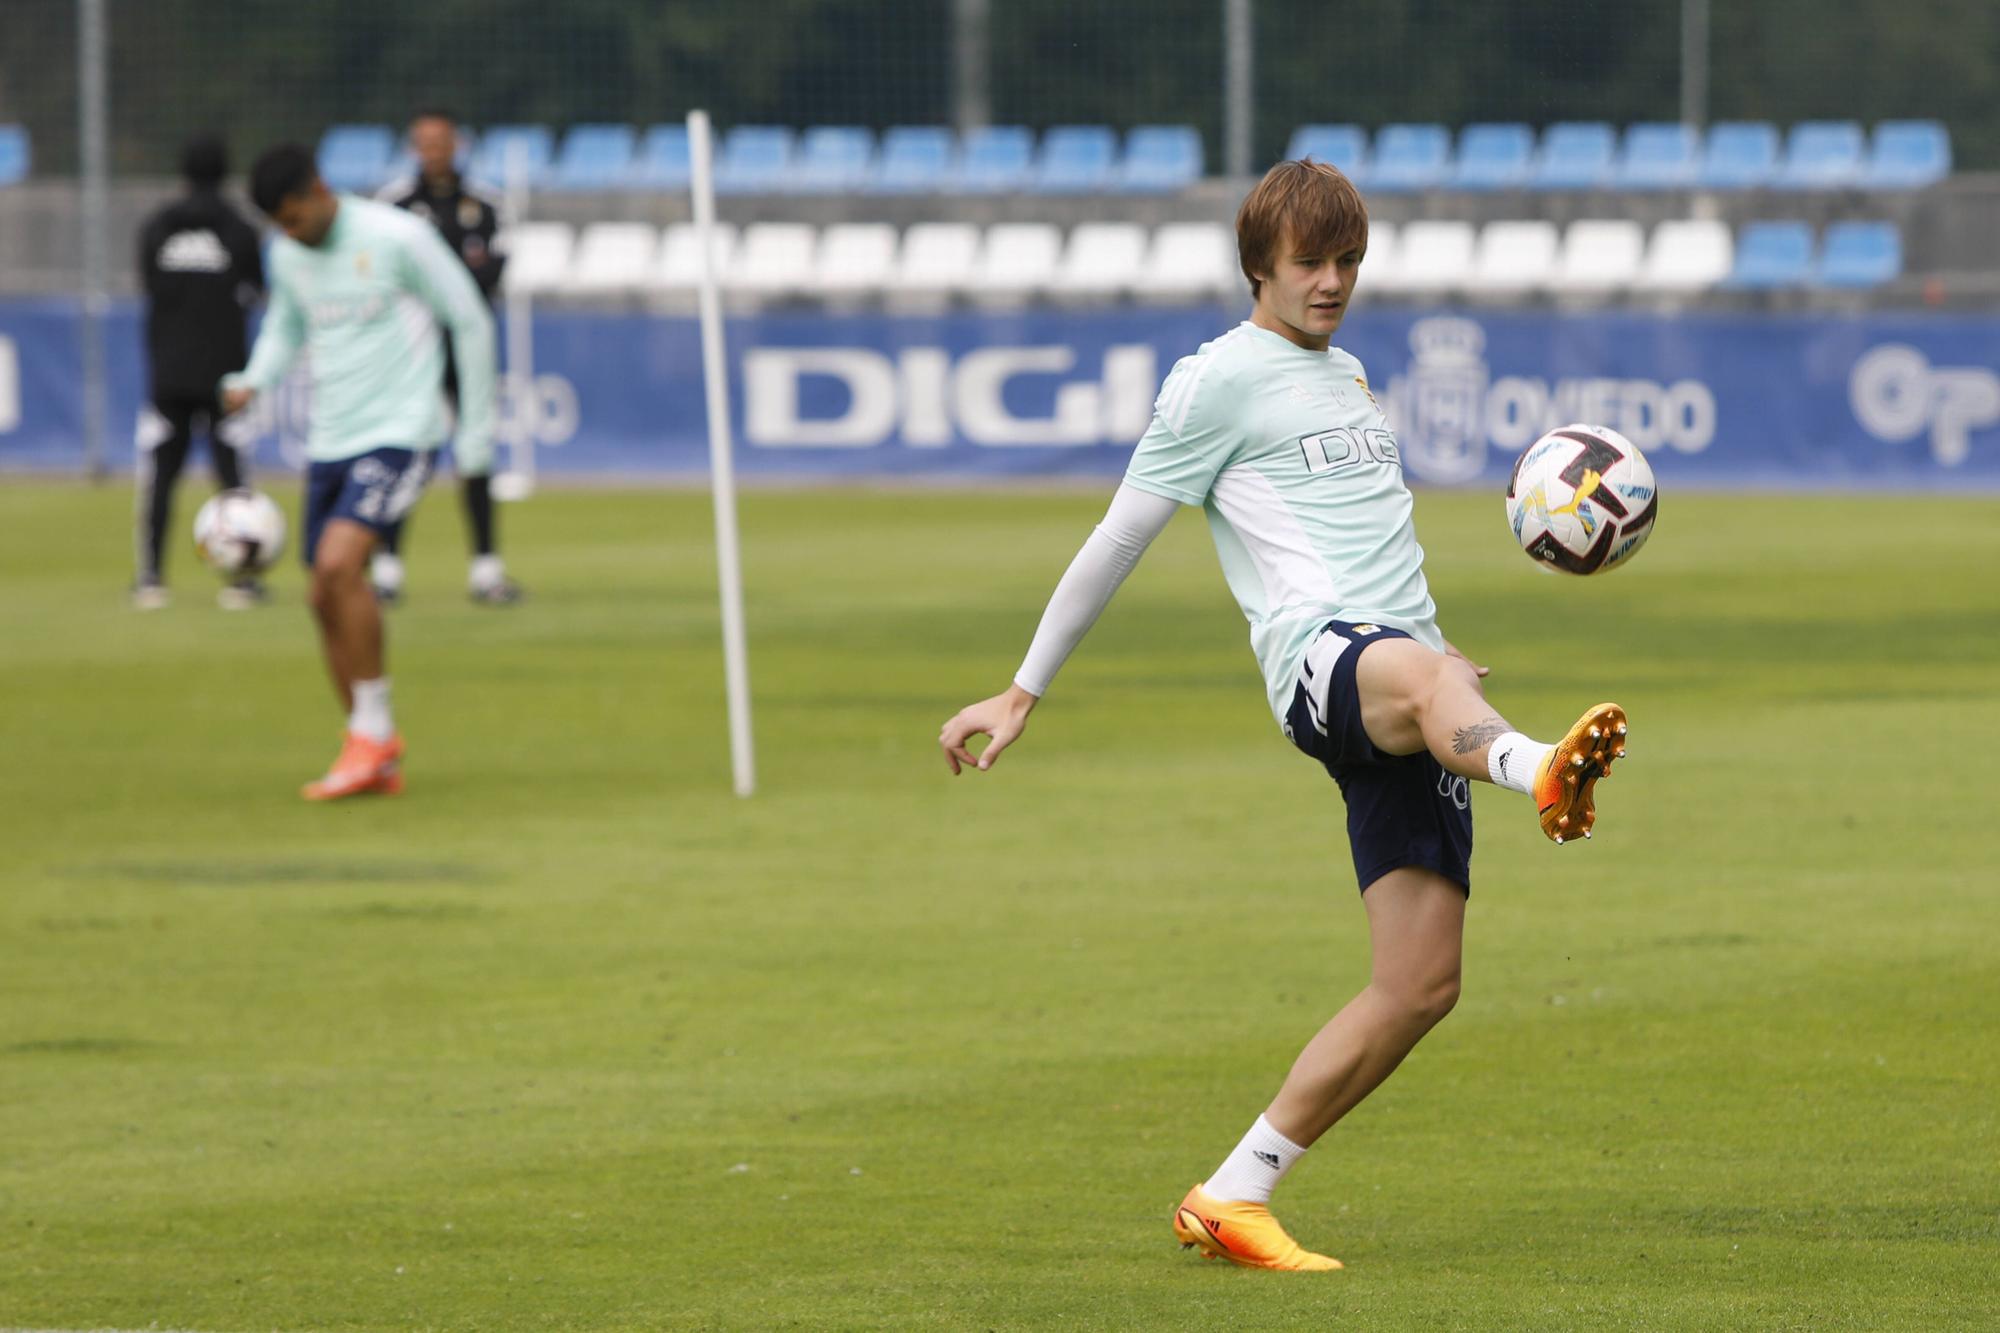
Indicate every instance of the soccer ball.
{"type": "Point", "coordinates": [1582, 500]}
{"type": "Point", "coordinates": [240, 533]}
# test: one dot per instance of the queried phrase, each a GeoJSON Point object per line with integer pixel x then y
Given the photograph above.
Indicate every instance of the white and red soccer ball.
{"type": "Point", "coordinates": [240, 533]}
{"type": "Point", "coordinates": [1582, 500]}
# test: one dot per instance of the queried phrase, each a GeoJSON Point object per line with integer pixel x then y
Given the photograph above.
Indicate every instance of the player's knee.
{"type": "Point", "coordinates": [1423, 1001]}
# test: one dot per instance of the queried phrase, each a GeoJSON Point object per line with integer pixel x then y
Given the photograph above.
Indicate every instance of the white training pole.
{"type": "Point", "coordinates": [715, 378]}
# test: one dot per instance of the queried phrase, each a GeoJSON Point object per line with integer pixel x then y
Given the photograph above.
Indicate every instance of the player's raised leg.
{"type": "Point", "coordinates": [350, 627]}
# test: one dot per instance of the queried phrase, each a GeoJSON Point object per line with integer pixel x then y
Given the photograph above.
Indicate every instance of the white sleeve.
{"type": "Point", "coordinates": [1113, 549]}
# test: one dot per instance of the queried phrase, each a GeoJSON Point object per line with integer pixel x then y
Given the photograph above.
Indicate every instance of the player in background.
{"type": "Point", "coordinates": [363, 287]}
{"type": "Point", "coordinates": [1275, 434]}
{"type": "Point", "coordinates": [468, 222]}
{"type": "Point", "coordinates": [201, 269]}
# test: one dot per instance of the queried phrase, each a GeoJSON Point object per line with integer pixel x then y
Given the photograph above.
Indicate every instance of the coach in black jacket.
{"type": "Point", "coordinates": [202, 269]}
{"type": "Point", "coordinates": [468, 221]}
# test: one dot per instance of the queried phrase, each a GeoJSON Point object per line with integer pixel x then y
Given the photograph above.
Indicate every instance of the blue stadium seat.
{"type": "Point", "coordinates": [1344, 146]}
{"type": "Point", "coordinates": [1493, 157]}
{"type": "Point", "coordinates": [1908, 155]}
{"type": "Point", "coordinates": [995, 159]}
{"type": "Point", "coordinates": [1409, 157]}
{"type": "Point", "coordinates": [1822, 155]}
{"type": "Point", "coordinates": [663, 159]}
{"type": "Point", "coordinates": [1742, 155]}
{"type": "Point", "coordinates": [1159, 159]}
{"type": "Point", "coordinates": [1076, 159]}
{"type": "Point", "coordinates": [1773, 254]}
{"type": "Point", "coordinates": [1659, 157]}
{"type": "Point", "coordinates": [357, 157]}
{"type": "Point", "coordinates": [833, 159]}
{"type": "Point", "coordinates": [594, 157]}
{"type": "Point", "coordinates": [1575, 156]}
{"type": "Point", "coordinates": [1861, 254]}
{"type": "Point", "coordinates": [15, 156]}
{"type": "Point", "coordinates": [754, 159]}
{"type": "Point", "coordinates": [915, 159]}
{"type": "Point", "coordinates": [498, 146]}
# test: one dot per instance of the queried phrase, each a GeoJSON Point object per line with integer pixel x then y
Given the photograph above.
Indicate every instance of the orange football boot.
{"type": "Point", "coordinates": [1242, 1233]}
{"type": "Point", "coordinates": [1563, 783]}
{"type": "Point", "coordinates": [363, 766]}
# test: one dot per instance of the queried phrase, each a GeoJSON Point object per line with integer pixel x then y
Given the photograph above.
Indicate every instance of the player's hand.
{"type": "Point", "coordinates": [1000, 719]}
{"type": "Point", "coordinates": [1451, 650]}
{"type": "Point", "coordinates": [236, 399]}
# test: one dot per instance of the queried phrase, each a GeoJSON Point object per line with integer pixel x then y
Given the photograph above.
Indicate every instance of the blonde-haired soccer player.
{"type": "Point", "coordinates": [1274, 433]}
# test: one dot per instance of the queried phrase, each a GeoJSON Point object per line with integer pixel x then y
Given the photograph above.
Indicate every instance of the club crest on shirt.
{"type": "Point", "coordinates": [1363, 382]}
{"type": "Point", "coordinates": [468, 213]}
{"type": "Point", "coordinates": [362, 265]}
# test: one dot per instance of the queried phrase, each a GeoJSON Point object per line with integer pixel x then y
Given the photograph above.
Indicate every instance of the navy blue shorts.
{"type": "Point", "coordinates": [376, 489]}
{"type": "Point", "coordinates": [1402, 810]}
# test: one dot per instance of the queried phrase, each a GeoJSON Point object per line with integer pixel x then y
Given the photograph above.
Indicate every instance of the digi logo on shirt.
{"type": "Point", "coordinates": [1348, 446]}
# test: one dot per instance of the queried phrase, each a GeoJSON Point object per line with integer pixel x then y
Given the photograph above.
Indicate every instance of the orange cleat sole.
{"type": "Point", "coordinates": [1565, 789]}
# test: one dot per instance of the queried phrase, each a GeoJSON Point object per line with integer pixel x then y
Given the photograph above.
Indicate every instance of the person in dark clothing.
{"type": "Point", "coordinates": [468, 221]}
{"type": "Point", "coordinates": [201, 268]}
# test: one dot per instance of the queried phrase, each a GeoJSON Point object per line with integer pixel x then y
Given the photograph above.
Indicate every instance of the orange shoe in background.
{"type": "Point", "coordinates": [363, 766]}
{"type": "Point", "coordinates": [1569, 771]}
{"type": "Point", "coordinates": [1242, 1233]}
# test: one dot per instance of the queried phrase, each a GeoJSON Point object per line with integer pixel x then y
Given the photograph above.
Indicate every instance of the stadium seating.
{"type": "Point", "coordinates": [1907, 155]}
{"type": "Point", "coordinates": [833, 159]}
{"type": "Point", "coordinates": [538, 256]}
{"type": "Point", "coordinates": [1344, 146]}
{"type": "Point", "coordinates": [1380, 266]}
{"type": "Point", "coordinates": [663, 162]}
{"type": "Point", "coordinates": [1102, 259]}
{"type": "Point", "coordinates": [1408, 157]}
{"type": "Point", "coordinates": [1772, 254]}
{"type": "Point", "coordinates": [15, 157]}
{"type": "Point", "coordinates": [1493, 157]}
{"type": "Point", "coordinates": [1076, 159]}
{"type": "Point", "coordinates": [613, 257]}
{"type": "Point", "coordinates": [357, 158]}
{"type": "Point", "coordinates": [1741, 155]}
{"type": "Point", "coordinates": [774, 260]}
{"type": "Point", "coordinates": [1598, 256]}
{"type": "Point", "coordinates": [936, 260]}
{"type": "Point", "coordinates": [1017, 261]}
{"type": "Point", "coordinates": [856, 259]}
{"type": "Point", "coordinates": [1513, 257]}
{"type": "Point", "coordinates": [677, 269]}
{"type": "Point", "coordinates": [1658, 157]}
{"type": "Point", "coordinates": [501, 146]}
{"type": "Point", "coordinates": [1575, 156]}
{"type": "Point", "coordinates": [1821, 155]}
{"type": "Point", "coordinates": [754, 159]}
{"type": "Point", "coordinates": [594, 157]}
{"type": "Point", "coordinates": [995, 160]}
{"type": "Point", "coordinates": [915, 159]}
{"type": "Point", "coordinates": [1686, 256]}
{"type": "Point", "coordinates": [1191, 261]}
{"type": "Point", "coordinates": [1433, 256]}
{"type": "Point", "coordinates": [1159, 159]}
{"type": "Point", "coordinates": [1860, 254]}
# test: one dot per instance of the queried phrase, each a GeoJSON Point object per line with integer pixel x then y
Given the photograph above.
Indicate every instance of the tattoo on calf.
{"type": "Point", "coordinates": [1467, 739]}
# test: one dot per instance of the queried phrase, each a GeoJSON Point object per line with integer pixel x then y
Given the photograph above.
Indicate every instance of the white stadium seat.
{"type": "Point", "coordinates": [1103, 259]}
{"type": "Point", "coordinates": [1018, 260]}
{"type": "Point", "coordinates": [1599, 255]}
{"type": "Point", "coordinates": [538, 256]}
{"type": "Point", "coordinates": [1687, 256]}
{"type": "Point", "coordinates": [1381, 266]}
{"type": "Point", "coordinates": [1435, 256]}
{"type": "Point", "coordinates": [774, 260]}
{"type": "Point", "coordinates": [1192, 261]}
{"type": "Point", "coordinates": [856, 259]}
{"type": "Point", "coordinates": [1514, 257]}
{"type": "Point", "coordinates": [937, 260]}
{"type": "Point", "coordinates": [613, 257]}
{"type": "Point", "coordinates": [677, 271]}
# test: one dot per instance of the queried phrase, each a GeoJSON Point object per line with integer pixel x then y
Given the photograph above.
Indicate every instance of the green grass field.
{"type": "Point", "coordinates": [568, 1037]}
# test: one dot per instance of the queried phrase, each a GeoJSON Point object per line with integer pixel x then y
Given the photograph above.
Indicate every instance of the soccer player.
{"type": "Point", "coordinates": [363, 287]}
{"type": "Point", "coordinates": [201, 269]}
{"type": "Point", "coordinates": [1275, 434]}
{"type": "Point", "coordinates": [467, 220]}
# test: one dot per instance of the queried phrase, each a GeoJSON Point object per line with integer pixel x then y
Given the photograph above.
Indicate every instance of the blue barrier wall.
{"type": "Point", "coordinates": [1891, 399]}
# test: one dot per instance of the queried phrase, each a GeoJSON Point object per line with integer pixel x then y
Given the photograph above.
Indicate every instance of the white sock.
{"type": "Point", "coordinates": [386, 571]}
{"type": "Point", "coordinates": [1251, 1172]}
{"type": "Point", "coordinates": [370, 717]}
{"type": "Point", "coordinates": [1513, 760]}
{"type": "Point", "coordinates": [487, 571]}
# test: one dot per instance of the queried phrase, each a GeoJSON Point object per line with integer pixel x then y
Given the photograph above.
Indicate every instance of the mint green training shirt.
{"type": "Point", "coordinates": [366, 305]}
{"type": "Point", "coordinates": [1289, 455]}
